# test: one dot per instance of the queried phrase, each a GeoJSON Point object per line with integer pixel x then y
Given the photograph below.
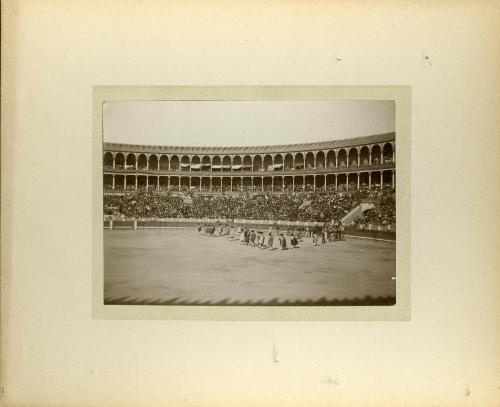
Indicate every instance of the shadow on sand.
{"type": "Point", "coordinates": [366, 301]}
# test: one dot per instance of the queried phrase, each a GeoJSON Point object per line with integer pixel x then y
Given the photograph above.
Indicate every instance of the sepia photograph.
{"type": "Point", "coordinates": [256, 203]}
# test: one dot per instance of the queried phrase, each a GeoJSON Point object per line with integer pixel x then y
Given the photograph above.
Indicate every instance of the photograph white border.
{"type": "Point", "coordinates": [401, 95]}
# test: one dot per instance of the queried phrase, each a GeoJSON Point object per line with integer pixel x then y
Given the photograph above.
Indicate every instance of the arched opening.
{"type": "Point", "coordinates": [278, 184]}
{"type": "Point", "coordinates": [185, 164]}
{"type": "Point", "coordinates": [163, 182]}
{"type": "Point", "coordinates": [141, 182]}
{"type": "Point", "coordinates": [142, 162]}
{"type": "Point", "coordinates": [205, 184]}
{"type": "Point", "coordinates": [195, 183]}
{"type": "Point", "coordinates": [246, 183]}
{"type": "Point", "coordinates": [119, 160]}
{"type": "Point", "coordinates": [130, 161]}
{"type": "Point", "coordinates": [216, 163]}
{"type": "Point", "coordinates": [278, 162]}
{"type": "Point", "coordinates": [363, 181]}
{"type": "Point", "coordinates": [184, 183]}
{"type": "Point", "coordinates": [108, 160]}
{"type": "Point", "coordinates": [236, 184]}
{"type": "Point", "coordinates": [387, 153]}
{"type": "Point", "coordinates": [387, 179]}
{"type": "Point", "coordinates": [174, 163]}
{"type": "Point", "coordinates": [364, 156]}
{"type": "Point", "coordinates": [353, 157]}
{"type": "Point", "coordinates": [226, 184]}
{"type": "Point", "coordinates": [130, 181]}
{"type": "Point", "coordinates": [375, 179]}
{"type": "Point", "coordinates": [309, 161]}
{"type": "Point", "coordinates": [267, 183]}
{"type": "Point", "coordinates": [237, 166]}
{"type": "Point", "coordinates": [288, 164]}
{"type": "Point", "coordinates": [152, 182]}
{"type": "Point", "coordinates": [341, 182]}
{"type": "Point", "coordinates": [206, 164]}
{"type": "Point", "coordinates": [376, 154]}
{"type": "Point", "coordinates": [330, 159]}
{"type": "Point", "coordinates": [268, 162]}
{"type": "Point", "coordinates": [216, 183]}
{"type": "Point", "coordinates": [257, 163]}
{"type": "Point", "coordinates": [320, 182]}
{"type": "Point", "coordinates": [287, 183]}
{"type": "Point", "coordinates": [309, 182]}
{"type": "Point", "coordinates": [330, 182]}
{"type": "Point", "coordinates": [342, 158]}
{"type": "Point", "coordinates": [247, 163]}
{"type": "Point", "coordinates": [299, 161]}
{"type": "Point", "coordinates": [153, 162]}
{"type": "Point", "coordinates": [299, 183]}
{"type": "Point", "coordinates": [353, 181]}
{"type": "Point", "coordinates": [107, 181]}
{"type": "Point", "coordinates": [195, 163]}
{"type": "Point", "coordinates": [119, 181]}
{"type": "Point", "coordinates": [174, 182]}
{"type": "Point", "coordinates": [226, 164]}
{"type": "Point", "coordinates": [320, 160]}
{"type": "Point", "coordinates": [257, 183]}
{"type": "Point", "coordinates": [164, 163]}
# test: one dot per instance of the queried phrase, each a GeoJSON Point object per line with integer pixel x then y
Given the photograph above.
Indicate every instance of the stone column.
{"type": "Point", "coordinates": [136, 179]}
{"type": "Point", "coordinates": [369, 180]}
{"type": "Point", "coordinates": [358, 174]}
{"type": "Point", "coordinates": [113, 178]}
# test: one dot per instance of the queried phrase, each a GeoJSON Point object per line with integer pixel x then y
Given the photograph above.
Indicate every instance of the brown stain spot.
{"type": "Point", "coordinates": [467, 392]}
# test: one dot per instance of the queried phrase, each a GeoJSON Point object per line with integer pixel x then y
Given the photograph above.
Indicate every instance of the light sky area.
{"type": "Point", "coordinates": [243, 123]}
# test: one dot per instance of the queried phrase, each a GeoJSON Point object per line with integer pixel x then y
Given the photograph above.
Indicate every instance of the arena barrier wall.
{"type": "Point", "coordinates": [373, 232]}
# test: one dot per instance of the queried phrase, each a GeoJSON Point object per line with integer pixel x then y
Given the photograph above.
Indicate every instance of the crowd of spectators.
{"type": "Point", "coordinates": [384, 212]}
{"type": "Point", "coordinates": [319, 206]}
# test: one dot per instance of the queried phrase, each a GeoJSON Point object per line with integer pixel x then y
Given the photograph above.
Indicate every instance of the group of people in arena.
{"type": "Point", "coordinates": [265, 240]}
{"type": "Point", "coordinates": [307, 206]}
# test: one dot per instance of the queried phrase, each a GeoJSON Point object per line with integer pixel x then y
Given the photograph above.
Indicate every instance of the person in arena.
{"type": "Point", "coordinates": [294, 241]}
{"type": "Point", "coordinates": [252, 237]}
{"type": "Point", "coordinates": [261, 241]}
{"type": "Point", "coordinates": [270, 240]}
{"type": "Point", "coordinates": [315, 238]}
{"type": "Point", "coordinates": [242, 235]}
{"type": "Point", "coordinates": [282, 240]}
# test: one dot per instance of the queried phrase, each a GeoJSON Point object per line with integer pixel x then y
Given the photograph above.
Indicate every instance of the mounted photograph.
{"type": "Point", "coordinates": [249, 203]}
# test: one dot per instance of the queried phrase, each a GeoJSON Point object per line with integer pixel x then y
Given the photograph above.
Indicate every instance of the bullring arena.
{"type": "Point", "coordinates": [298, 224]}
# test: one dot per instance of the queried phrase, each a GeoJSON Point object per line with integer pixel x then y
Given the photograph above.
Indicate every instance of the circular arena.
{"type": "Point", "coordinates": [297, 224]}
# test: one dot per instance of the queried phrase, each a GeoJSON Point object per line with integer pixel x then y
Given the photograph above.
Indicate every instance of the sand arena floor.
{"type": "Point", "coordinates": [180, 266]}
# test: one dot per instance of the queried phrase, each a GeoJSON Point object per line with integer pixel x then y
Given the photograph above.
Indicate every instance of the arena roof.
{"type": "Point", "coordinates": [284, 148]}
